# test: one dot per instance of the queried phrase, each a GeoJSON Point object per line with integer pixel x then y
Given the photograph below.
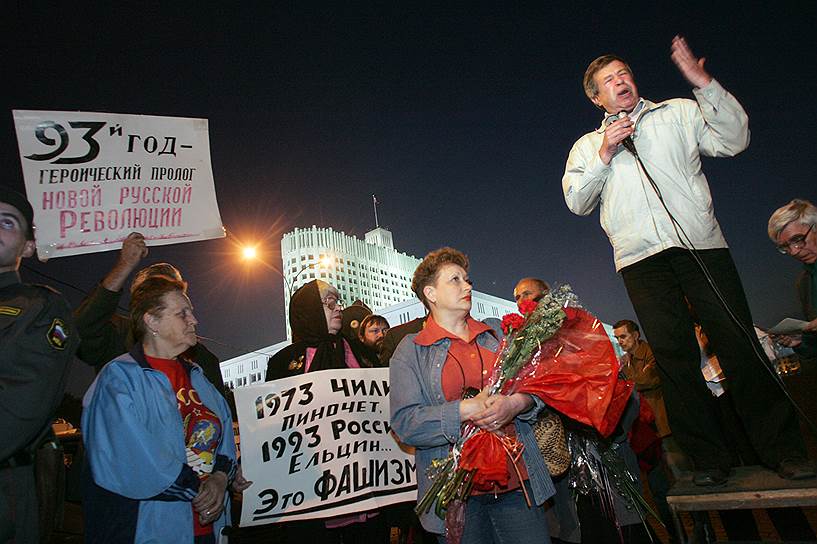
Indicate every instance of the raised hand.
{"type": "Point", "coordinates": [134, 249]}
{"type": "Point", "coordinates": [691, 67]}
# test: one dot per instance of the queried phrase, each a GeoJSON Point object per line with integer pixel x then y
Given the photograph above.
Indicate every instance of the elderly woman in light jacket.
{"type": "Point", "coordinates": [158, 435]}
{"type": "Point", "coordinates": [432, 375]}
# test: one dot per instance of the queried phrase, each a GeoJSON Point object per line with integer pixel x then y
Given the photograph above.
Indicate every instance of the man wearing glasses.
{"type": "Point", "coordinates": [791, 228]}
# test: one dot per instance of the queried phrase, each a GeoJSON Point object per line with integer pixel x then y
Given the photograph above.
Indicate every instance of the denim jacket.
{"type": "Point", "coordinates": [424, 419]}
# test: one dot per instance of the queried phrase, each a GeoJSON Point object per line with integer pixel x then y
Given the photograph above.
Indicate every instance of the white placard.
{"type": "Point", "coordinates": [319, 445]}
{"type": "Point", "coordinates": [93, 178]}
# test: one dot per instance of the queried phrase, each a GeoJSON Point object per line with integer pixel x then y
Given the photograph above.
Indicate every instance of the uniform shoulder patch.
{"type": "Point", "coordinates": [10, 310]}
{"type": "Point", "coordinates": [57, 336]}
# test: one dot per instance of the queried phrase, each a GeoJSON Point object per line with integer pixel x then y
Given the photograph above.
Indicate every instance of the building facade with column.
{"type": "Point", "coordinates": [370, 270]}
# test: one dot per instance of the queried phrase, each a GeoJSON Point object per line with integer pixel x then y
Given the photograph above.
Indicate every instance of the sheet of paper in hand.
{"type": "Point", "coordinates": [788, 326]}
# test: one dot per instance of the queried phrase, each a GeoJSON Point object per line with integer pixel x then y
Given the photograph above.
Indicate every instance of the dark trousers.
{"type": "Point", "coordinates": [18, 505]}
{"type": "Point", "coordinates": [49, 471]}
{"type": "Point", "coordinates": [597, 527]}
{"type": "Point", "coordinates": [657, 286]}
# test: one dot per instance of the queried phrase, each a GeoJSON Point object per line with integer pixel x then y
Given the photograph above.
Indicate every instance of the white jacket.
{"type": "Point", "coordinates": [670, 138]}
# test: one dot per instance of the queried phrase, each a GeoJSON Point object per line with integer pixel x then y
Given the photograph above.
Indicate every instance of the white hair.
{"type": "Point", "coordinates": [799, 210]}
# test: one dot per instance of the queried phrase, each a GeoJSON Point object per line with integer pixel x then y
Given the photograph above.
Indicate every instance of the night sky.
{"type": "Point", "coordinates": [459, 121]}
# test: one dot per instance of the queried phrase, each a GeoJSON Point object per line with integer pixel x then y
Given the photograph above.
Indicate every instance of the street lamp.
{"type": "Point", "coordinates": [289, 284]}
{"type": "Point", "coordinates": [249, 253]}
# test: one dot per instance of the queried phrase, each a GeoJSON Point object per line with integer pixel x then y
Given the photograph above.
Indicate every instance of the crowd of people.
{"type": "Point", "coordinates": [161, 461]}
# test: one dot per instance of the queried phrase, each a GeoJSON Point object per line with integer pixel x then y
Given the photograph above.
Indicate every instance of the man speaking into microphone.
{"type": "Point", "coordinates": [642, 167]}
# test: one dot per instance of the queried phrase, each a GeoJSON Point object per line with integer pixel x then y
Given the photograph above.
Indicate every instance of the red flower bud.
{"type": "Point", "coordinates": [527, 306]}
{"type": "Point", "coordinates": [512, 322]}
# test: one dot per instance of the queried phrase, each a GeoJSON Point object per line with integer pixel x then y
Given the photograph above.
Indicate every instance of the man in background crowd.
{"type": "Point", "coordinates": [793, 229]}
{"type": "Point", "coordinates": [530, 289]}
{"type": "Point", "coordinates": [638, 365]}
{"type": "Point", "coordinates": [372, 331]}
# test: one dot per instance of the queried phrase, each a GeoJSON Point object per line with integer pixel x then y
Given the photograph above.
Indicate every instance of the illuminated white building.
{"type": "Point", "coordinates": [369, 270]}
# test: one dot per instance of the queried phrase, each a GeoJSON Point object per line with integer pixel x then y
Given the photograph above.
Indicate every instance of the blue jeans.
{"type": "Point", "coordinates": [504, 519]}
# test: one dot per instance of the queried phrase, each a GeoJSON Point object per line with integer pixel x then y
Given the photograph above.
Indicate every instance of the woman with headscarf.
{"type": "Point", "coordinates": [158, 435]}
{"type": "Point", "coordinates": [438, 382]}
{"type": "Point", "coordinates": [315, 316]}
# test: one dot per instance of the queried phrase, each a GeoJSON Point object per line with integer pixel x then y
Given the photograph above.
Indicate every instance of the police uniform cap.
{"type": "Point", "coordinates": [19, 201]}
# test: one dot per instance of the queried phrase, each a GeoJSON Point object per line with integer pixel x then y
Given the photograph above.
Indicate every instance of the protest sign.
{"type": "Point", "coordinates": [93, 178]}
{"type": "Point", "coordinates": [319, 445]}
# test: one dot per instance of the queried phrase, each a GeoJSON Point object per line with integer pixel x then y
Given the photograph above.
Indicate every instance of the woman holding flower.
{"type": "Point", "coordinates": [438, 383]}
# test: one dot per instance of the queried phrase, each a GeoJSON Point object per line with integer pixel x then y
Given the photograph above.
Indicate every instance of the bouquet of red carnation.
{"type": "Point", "coordinates": [556, 351]}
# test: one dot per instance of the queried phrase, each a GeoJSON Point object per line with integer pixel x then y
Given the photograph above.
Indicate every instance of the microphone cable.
{"type": "Point", "coordinates": [687, 243]}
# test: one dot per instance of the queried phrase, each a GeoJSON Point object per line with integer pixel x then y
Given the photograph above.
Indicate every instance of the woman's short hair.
{"type": "Point", "coordinates": [156, 269]}
{"type": "Point", "coordinates": [147, 299]}
{"type": "Point", "coordinates": [428, 270]}
{"type": "Point", "coordinates": [799, 210]}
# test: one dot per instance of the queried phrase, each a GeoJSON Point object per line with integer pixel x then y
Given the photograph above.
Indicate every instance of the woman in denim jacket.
{"type": "Point", "coordinates": [431, 374]}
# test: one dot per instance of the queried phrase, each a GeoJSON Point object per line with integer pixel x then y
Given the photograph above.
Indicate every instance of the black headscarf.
{"type": "Point", "coordinates": [308, 322]}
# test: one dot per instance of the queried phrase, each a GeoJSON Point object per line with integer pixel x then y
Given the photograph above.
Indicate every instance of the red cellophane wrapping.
{"type": "Point", "coordinates": [576, 373]}
{"type": "Point", "coordinates": [485, 452]}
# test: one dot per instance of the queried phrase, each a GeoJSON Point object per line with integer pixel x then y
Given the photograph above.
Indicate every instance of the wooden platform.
{"type": "Point", "coordinates": [748, 488]}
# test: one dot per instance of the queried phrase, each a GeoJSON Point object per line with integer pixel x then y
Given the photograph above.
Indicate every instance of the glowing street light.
{"type": "Point", "coordinates": [249, 253]}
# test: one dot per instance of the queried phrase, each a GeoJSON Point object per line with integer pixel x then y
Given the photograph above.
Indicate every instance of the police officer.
{"type": "Point", "coordinates": [37, 343]}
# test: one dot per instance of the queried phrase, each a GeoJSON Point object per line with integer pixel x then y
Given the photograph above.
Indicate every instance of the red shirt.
{"type": "Point", "coordinates": [468, 365]}
{"type": "Point", "coordinates": [202, 428]}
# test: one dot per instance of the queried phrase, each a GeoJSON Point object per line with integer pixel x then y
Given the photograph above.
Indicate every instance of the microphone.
{"type": "Point", "coordinates": [627, 142]}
